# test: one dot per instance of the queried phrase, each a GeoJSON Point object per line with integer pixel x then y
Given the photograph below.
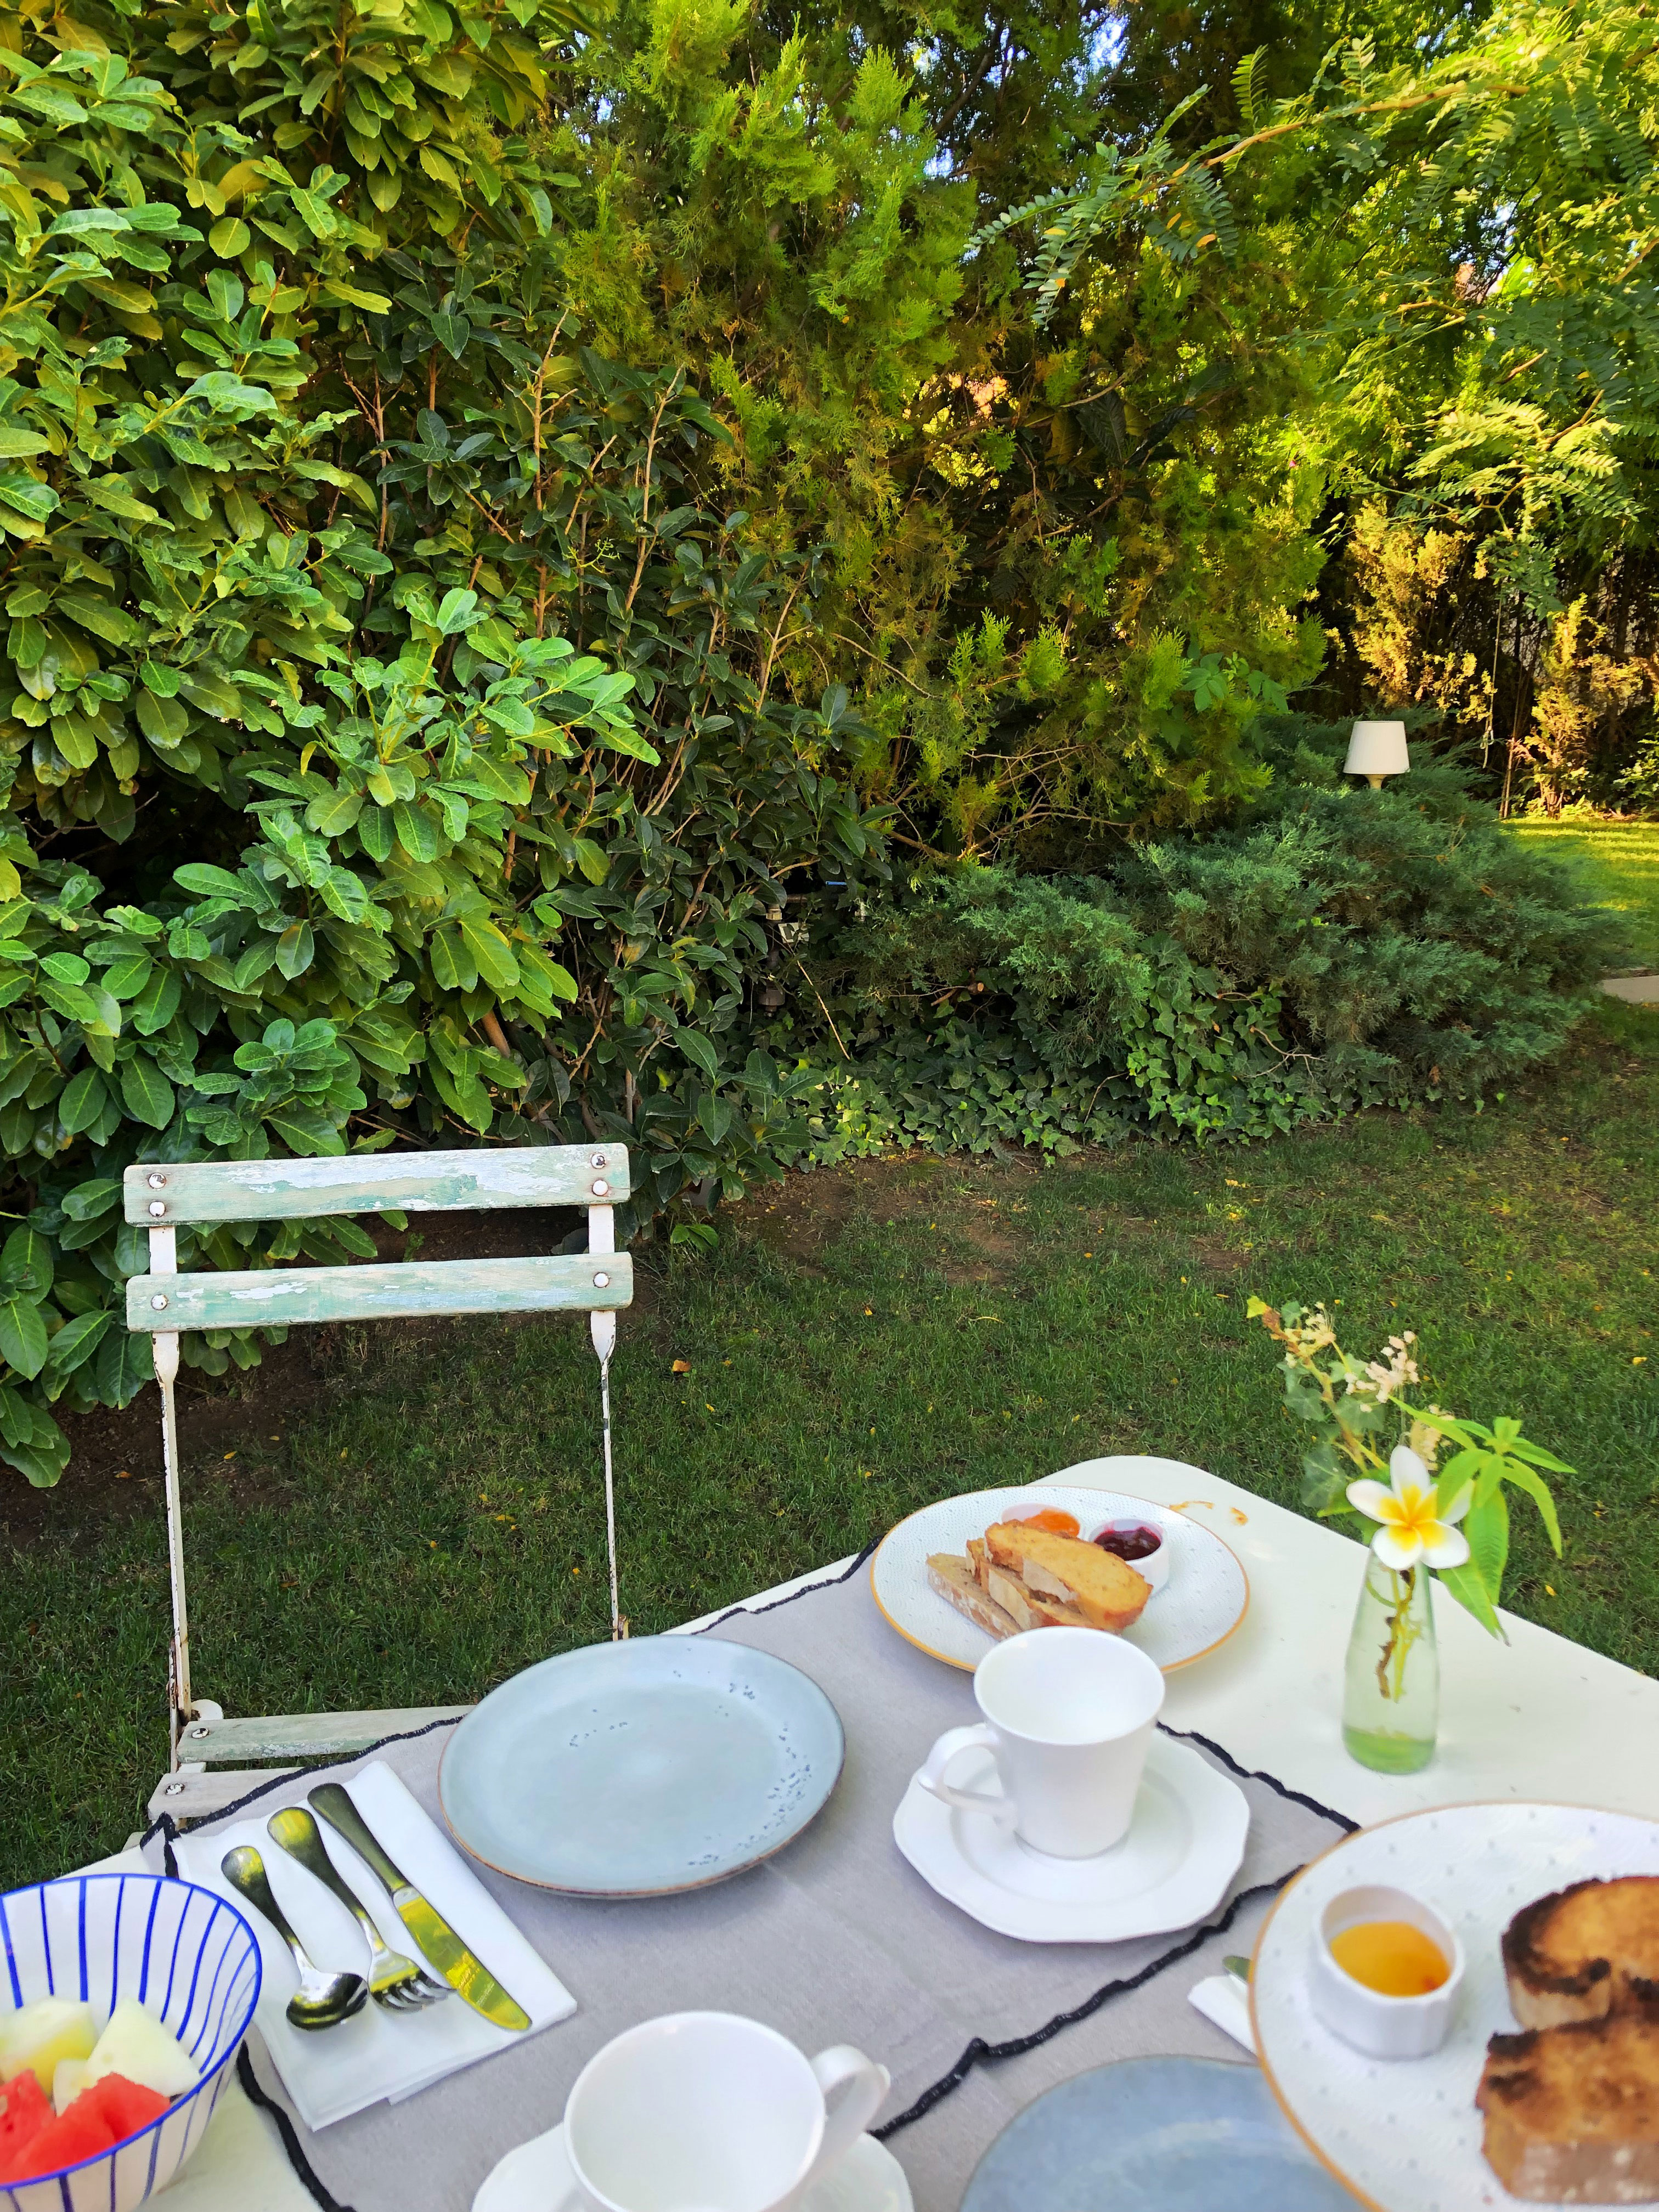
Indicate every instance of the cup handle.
{"type": "Point", "coordinates": [931, 1775]}
{"type": "Point", "coordinates": [863, 2085]}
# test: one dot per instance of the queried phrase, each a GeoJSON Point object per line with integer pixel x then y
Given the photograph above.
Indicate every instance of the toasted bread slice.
{"type": "Point", "coordinates": [1585, 1953]}
{"type": "Point", "coordinates": [949, 1573]}
{"type": "Point", "coordinates": [1572, 2113]}
{"type": "Point", "coordinates": [1028, 1607]}
{"type": "Point", "coordinates": [1105, 1589]}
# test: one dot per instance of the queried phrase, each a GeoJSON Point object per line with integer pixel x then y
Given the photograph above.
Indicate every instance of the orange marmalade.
{"type": "Point", "coordinates": [1391, 1957]}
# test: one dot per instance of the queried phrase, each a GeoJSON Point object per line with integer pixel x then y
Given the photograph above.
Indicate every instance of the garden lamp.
{"type": "Point", "coordinates": [1377, 750]}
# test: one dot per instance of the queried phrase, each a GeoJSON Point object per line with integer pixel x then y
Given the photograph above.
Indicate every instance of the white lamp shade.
{"type": "Point", "coordinates": [1377, 749]}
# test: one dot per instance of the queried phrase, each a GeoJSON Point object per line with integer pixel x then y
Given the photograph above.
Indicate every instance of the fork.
{"type": "Point", "coordinates": [394, 1980]}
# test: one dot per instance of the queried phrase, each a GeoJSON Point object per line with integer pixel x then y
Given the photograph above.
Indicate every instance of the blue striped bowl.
{"type": "Point", "coordinates": [185, 1953]}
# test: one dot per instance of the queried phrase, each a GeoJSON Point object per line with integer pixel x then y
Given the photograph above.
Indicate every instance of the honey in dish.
{"type": "Point", "coordinates": [1391, 1957]}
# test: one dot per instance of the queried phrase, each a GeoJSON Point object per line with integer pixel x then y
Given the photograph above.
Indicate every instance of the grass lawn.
{"type": "Point", "coordinates": [408, 1515]}
{"type": "Point", "coordinates": [1618, 862]}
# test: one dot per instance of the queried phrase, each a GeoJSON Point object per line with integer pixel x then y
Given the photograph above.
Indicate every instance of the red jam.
{"type": "Point", "coordinates": [1133, 1541]}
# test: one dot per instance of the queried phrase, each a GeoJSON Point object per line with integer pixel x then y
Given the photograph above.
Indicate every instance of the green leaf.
{"type": "Point", "coordinates": [42, 1458]}
{"type": "Point", "coordinates": [331, 817]}
{"type": "Point", "coordinates": [77, 1340]}
{"type": "Point", "coordinates": [296, 950]}
{"type": "Point", "coordinates": [455, 611]}
{"type": "Point", "coordinates": [147, 1095]}
{"type": "Point", "coordinates": [697, 1049]}
{"type": "Point", "coordinates": [1516, 1471]}
{"type": "Point", "coordinates": [230, 238]}
{"type": "Point", "coordinates": [637, 747]}
{"type": "Point", "coordinates": [126, 1362]}
{"type": "Point", "coordinates": [418, 833]}
{"type": "Point", "coordinates": [17, 444]}
{"type": "Point", "coordinates": [83, 1101]}
{"type": "Point", "coordinates": [22, 1333]}
{"type": "Point", "coordinates": [1466, 1587]}
{"type": "Point", "coordinates": [209, 882]}
{"type": "Point", "coordinates": [163, 721]}
{"type": "Point", "coordinates": [590, 858]}
{"type": "Point", "coordinates": [26, 1262]}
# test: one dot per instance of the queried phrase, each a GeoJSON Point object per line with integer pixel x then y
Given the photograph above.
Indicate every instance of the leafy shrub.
{"type": "Point", "coordinates": [403, 625]}
{"type": "Point", "coordinates": [1341, 948]}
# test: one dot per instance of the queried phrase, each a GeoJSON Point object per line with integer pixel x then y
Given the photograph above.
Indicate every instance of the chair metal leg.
{"type": "Point", "coordinates": [602, 1328]}
{"type": "Point", "coordinates": [179, 1705]}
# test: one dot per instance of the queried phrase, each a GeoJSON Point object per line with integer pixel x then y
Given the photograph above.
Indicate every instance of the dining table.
{"type": "Point", "coordinates": [837, 1939]}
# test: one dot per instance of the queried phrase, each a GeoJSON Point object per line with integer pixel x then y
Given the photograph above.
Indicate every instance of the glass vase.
{"type": "Point", "coordinates": [1391, 1684]}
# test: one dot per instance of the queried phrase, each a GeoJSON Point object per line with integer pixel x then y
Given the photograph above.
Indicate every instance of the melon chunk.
{"type": "Point", "coordinates": [35, 2038]}
{"type": "Point", "coordinates": [67, 2081]}
{"type": "Point", "coordinates": [139, 2046]}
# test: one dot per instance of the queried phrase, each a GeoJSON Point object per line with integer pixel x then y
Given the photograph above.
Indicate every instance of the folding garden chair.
{"type": "Point", "coordinates": [164, 1197]}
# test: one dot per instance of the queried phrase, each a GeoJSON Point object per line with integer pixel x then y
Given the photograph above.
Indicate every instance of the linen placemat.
{"type": "Point", "coordinates": [835, 1940]}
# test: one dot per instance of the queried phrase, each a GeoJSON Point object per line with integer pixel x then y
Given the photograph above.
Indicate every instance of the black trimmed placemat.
{"type": "Point", "coordinates": [835, 1940]}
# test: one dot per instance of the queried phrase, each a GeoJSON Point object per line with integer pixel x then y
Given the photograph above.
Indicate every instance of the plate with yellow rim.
{"type": "Point", "coordinates": [1403, 2134]}
{"type": "Point", "coordinates": [1201, 1603]}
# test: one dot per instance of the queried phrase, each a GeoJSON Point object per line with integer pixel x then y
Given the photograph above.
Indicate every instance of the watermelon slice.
{"type": "Point", "coordinates": [24, 2111]}
{"type": "Point", "coordinates": [101, 2117]}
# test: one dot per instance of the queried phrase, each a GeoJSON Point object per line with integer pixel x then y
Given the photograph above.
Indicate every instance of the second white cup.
{"type": "Point", "coordinates": [1069, 1715]}
{"type": "Point", "coordinates": [707, 2112]}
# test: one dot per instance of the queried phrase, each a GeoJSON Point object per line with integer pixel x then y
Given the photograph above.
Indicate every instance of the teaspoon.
{"type": "Point", "coordinates": [322, 2000]}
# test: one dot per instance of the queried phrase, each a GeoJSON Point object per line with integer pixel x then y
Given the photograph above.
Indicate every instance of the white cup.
{"type": "Point", "coordinates": [705, 2112]}
{"type": "Point", "coordinates": [1068, 1715]}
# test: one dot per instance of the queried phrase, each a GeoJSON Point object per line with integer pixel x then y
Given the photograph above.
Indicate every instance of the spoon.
{"type": "Point", "coordinates": [322, 2000]}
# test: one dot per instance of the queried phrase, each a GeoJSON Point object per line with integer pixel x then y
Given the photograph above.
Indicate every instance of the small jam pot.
{"type": "Point", "coordinates": [1130, 1530]}
{"type": "Point", "coordinates": [1383, 2026]}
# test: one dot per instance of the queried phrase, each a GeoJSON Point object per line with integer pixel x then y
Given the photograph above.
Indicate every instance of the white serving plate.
{"type": "Point", "coordinates": [1403, 2134]}
{"type": "Point", "coordinates": [1199, 1607]}
{"type": "Point", "coordinates": [1185, 1845]}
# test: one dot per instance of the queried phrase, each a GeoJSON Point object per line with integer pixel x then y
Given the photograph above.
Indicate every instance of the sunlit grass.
{"type": "Point", "coordinates": [1620, 864]}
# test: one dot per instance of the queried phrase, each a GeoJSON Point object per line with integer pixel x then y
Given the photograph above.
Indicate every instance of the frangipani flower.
{"type": "Point", "coordinates": [1412, 1527]}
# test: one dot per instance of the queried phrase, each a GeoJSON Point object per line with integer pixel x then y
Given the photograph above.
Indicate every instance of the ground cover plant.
{"type": "Point", "coordinates": [414, 1516]}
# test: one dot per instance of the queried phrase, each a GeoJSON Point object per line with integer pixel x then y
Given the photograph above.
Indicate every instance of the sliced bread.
{"type": "Point", "coordinates": [1572, 2113]}
{"type": "Point", "coordinates": [1105, 1591]}
{"type": "Point", "coordinates": [1584, 1952]}
{"type": "Point", "coordinates": [951, 1576]}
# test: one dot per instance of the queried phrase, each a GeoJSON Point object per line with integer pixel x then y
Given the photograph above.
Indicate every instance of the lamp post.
{"type": "Point", "coordinates": [1377, 750]}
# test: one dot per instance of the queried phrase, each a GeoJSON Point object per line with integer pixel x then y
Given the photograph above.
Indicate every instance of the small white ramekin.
{"type": "Point", "coordinates": [1154, 1570]}
{"type": "Point", "coordinates": [1383, 2026]}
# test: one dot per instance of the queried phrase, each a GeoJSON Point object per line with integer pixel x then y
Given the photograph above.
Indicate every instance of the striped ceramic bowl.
{"type": "Point", "coordinates": [185, 1953]}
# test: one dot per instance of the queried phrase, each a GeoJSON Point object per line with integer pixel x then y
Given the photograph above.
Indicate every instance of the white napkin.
{"type": "Point", "coordinates": [1223, 2000]}
{"type": "Point", "coordinates": [331, 2073]}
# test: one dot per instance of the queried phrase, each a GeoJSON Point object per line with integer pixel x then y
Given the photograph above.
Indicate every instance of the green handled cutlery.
{"type": "Point", "coordinates": [466, 1975]}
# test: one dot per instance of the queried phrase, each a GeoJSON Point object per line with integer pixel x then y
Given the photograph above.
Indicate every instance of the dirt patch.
{"type": "Point", "coordinates": [1217, 1256]}
{"type": "Point", "coordinates": [115, 1465]}
{"type": "Point", "coordinates": [797, 1218]}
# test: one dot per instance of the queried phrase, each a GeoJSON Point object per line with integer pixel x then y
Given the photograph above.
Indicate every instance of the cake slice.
{"type": "Point", "coordinates": [949, 1575]}
{"type": "Point", "coordinates": [1584, 1952]}
{"type": "Point", "coordinates": [1572, 2113]}
{"type": "Point", "coordinates": [1105, 1591]}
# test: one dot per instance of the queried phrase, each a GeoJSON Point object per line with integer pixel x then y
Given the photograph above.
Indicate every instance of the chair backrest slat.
{"type": "Point", "coordinates": [164, 1193]}
{"type": "Point", "coordinates": [276, 1298]}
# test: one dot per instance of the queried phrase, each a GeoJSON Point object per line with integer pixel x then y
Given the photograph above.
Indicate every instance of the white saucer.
{"type": "Point", "coordinates": [1184, 1846]}
{"type": "Point", "coordinates": [534, 2178]}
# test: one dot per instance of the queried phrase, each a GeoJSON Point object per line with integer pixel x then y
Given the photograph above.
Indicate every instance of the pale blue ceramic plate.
{"type": "Point", "coordinates": [1155, 2135]}
{"type": "Point", "coordinates": [634, 1769]}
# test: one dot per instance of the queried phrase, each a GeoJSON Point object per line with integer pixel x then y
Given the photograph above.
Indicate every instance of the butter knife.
{"type": "Point", "coordinates": [466, 1975]}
